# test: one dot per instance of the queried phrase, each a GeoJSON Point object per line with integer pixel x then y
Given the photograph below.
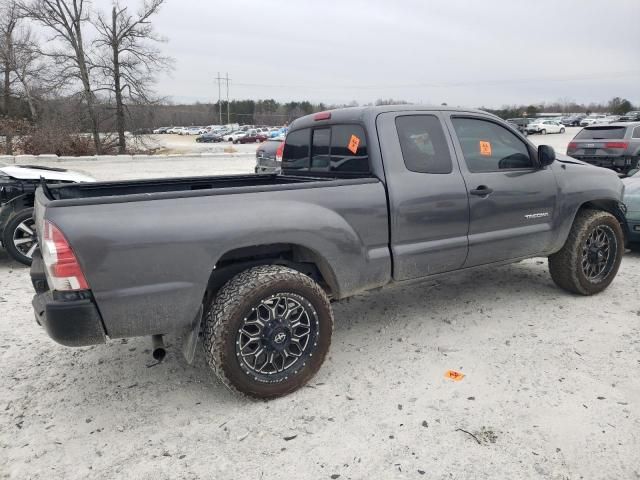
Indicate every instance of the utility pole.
{"type": "Point", "coordinates": [228, 115]}
{"type": "Point", "coordinates": [219, 98]}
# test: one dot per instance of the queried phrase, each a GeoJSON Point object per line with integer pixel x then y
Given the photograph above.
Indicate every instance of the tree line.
{"type": "Point", "coordinates": [616, 106]}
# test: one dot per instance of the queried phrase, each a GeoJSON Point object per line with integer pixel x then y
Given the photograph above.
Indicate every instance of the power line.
{"type": "Point", "coordinates": [596, 76]}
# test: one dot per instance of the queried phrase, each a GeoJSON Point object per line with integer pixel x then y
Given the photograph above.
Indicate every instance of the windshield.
{"type": "Point", "coordinates": [601, 133]}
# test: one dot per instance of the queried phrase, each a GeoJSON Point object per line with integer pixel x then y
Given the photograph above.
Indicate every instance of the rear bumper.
{"type": "Point", "coordinates": [74, 322]}
{"type": "Point", "coordinates": [607, 162]}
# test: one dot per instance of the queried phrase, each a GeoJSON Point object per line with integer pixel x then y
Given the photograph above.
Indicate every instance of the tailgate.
{"type": "Point", "coordinates": [599, 148]}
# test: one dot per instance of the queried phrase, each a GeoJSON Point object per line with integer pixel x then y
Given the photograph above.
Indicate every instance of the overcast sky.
{"type": "Point", "coordinates": [463, 52]}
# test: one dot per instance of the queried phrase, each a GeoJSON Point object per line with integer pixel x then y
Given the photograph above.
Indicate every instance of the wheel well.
{"type": "Point", "coordinates": [14, 206]}
{"type": "Point", "coordinates": [293, 256]}
{"type": "Point", "coordinates": [613, 207]}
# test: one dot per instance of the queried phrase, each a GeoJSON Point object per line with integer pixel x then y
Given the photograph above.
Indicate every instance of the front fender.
{"type": "Point", "coordinates": [583, 186]}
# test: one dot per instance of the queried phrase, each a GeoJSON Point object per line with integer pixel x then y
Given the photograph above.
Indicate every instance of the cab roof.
{"type": "Point", "coordinates": [363, 114]}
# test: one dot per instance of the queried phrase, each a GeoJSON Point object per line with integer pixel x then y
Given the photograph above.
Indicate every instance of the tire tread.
{"type": "Point", "coordinates": [228, 298]}
{"type": "Point", "coordinates": [565, 264]}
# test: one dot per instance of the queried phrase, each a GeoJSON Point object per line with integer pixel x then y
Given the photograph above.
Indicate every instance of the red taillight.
{"type": "Point", "coordinates": [573, 145]}
{"type": "Point", "coordinates": [280, 152]}
{"type": "Point", "coordinates": [322, 116]}
{"type": "Point", "coordinates": [616, 145]}
{"type": "Point", "coordinates": [62, 265]}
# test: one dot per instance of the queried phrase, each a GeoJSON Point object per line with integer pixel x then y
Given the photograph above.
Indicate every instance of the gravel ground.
{"type": "Point", "coordinates": [551, 387]}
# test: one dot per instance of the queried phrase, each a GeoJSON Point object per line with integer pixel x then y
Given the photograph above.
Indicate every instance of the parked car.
{"type": "Point", "coordinates": [194, 131]}
{"type": "Point", "coordinates": [632, 201]}
{"type": "Point", "coordinates": [209, 137]}
{"type": "Point", "coordinates": [631, 117]}
{"type": "Point", "coordinates": [252, 136]}
{"type": "Point", "coordinates": [17, 186]}
{"type": "Point", "coordinates": [269, 155]}
{"type": "Point", "coordinates": [279, 132]}
{"type": "Point", "coordinates": [519, 124]}
{"type": "Point", "coordinates": [234, 136]}
{"type": "Point", "coordinates": [615, 146]}
{"type": "Point", "coordinates": [250, 263]}
{"type": "Point", "coordinates": [572, 120]}
{"type": "Point", "coordinates": [545, 126]}
{"type": "Point", "coordinates": [174, 130]}
{"type": "Point", "coordinates": [161, 130]}
{"type": "Point", "coordinates": [592, 120]}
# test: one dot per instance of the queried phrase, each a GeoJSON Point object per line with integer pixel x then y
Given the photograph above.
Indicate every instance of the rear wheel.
{"type": "Point", "coordinates": [267, 331]}
{"type": "Point", "coordinates": [562, 130]}
{"type": "Point", "coordinates": [543, 131]}
{"type": "Point", "coordinates": [590, 258]}
{"type": "Point", "coordinates": [19, 236]}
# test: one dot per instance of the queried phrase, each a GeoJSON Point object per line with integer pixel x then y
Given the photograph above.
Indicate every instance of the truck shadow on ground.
{"type": "Point", "coordinates": [124, 369]}
{"type": "Point", "coordinates": [99, 382]}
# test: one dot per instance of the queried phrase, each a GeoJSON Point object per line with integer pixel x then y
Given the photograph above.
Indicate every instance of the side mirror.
{"type": "Point", "coordinates": [546, 155]}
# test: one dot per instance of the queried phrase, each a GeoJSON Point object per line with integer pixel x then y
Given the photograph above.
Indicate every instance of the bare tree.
{"type": "Point", "coordinates": [66, 19]}
{"type": "Point", "coordinates": [28, 68]}
{"type": "Point", "coordinates": [9, 18]}
{"type": "Point", "coordinates": [130, 57]}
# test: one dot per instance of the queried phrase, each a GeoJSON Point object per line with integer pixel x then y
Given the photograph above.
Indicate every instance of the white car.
{"type": "Point", "coordinates": [195, 131]}
{"type": "Point", "coordinates": [174, 130]}
{"type": "Point", "coordinates": [545, 126]}
{"type": "Point", "coordinates": [593, 120]}
{"type": "Point", "coordinates": [237, 135]}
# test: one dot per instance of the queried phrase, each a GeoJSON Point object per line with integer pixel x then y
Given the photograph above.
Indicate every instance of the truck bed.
{"type": "Point", "coordinates": [155, 188]}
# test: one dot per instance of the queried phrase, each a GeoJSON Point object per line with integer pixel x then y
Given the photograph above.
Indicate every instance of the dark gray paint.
{"type": "Point", "coordinates": [148, 257]}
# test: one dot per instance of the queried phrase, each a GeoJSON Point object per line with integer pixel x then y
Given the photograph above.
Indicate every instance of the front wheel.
{"type": "Point", "coordinates": [267, 331]}
{"type": "Point", "coordinates": [590, 258]}
{"type": "Point", "coordinates": [543, 132]}
{"type": "Point", "coordinates": [562, 130]}
{"type": "Point", "coordinates": [19, 236]}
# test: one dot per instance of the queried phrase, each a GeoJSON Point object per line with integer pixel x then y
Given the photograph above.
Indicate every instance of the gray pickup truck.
{"type": "Point", "coordinates": [367, 197]}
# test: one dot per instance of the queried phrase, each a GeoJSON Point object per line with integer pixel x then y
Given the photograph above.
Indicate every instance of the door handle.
{"type": "Point", "coordinates": [481, 191]}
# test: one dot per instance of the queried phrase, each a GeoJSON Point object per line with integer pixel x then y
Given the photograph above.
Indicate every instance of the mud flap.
{"type": "Point", "coordinates": [190, 338]}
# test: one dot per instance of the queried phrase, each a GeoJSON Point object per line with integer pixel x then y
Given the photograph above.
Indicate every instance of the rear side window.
{"type": "Point", "coordinates": [489, 147]}
{"type": "Point", "coordinates": [424, 146]}
{"type": "Point", "coordinates": [636, 132]}
{"type": "Point", "coordinates": [320, 145]}
{"type": "Point", "coordinates": [349, 149]}
{"type": "Point", "coordinates": [338, 148]}
{"type": "Point", "coordinates": [296, 150]}
{"type": "Point", "coordinates": [601, 133]}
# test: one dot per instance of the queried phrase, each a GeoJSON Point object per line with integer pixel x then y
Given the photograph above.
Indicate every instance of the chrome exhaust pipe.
{"type": "Point", "coordinates": [158, 350]}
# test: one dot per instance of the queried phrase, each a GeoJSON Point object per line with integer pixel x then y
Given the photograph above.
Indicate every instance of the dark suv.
{"type": "Point", "coordinates": [614, 145]}
{"type": "Point", "coordinates": [631, 117]}
{"type": "Point", "coordinates": [520, 124]}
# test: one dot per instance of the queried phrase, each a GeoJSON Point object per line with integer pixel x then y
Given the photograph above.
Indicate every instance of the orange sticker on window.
{"type": "Point", "coordinates": [485, 148]}
{"type": "Point", "coordinates": [453, 375]}
{"type": "Point", "coordinates": [354, 143]}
